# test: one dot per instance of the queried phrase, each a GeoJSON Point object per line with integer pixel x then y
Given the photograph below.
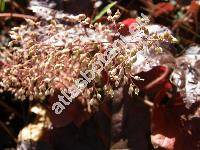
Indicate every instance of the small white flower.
{"type": "Point", "coordinates": [109, 12]}
{"type": "Point", "coordinates": [47, 80]}
{"type": "Point", "coordinates": [98, 96]}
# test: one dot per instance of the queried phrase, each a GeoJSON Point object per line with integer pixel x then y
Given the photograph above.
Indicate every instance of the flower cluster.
{"type": "Point", "coordinates": [49, 55]}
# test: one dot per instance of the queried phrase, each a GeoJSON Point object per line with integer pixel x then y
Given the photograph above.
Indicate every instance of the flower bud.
{"type": "Point", "coordinates": [109, 12]}
{"type": "Point", "coordinates": [98, 96]}
{"type": "Point", "coordinates": [131, 89]}
{"type": "Point", "coordinates": [113, 72]}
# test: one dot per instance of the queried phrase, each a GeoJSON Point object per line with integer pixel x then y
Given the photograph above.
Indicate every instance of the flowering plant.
{"type": "Point", "coordinates": [48, 55]}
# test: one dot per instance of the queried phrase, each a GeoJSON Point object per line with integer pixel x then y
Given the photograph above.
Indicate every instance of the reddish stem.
{"type": "Point", "coordinates": [15, 15]}
{"type": "Point", "coordinates": [158, 80]}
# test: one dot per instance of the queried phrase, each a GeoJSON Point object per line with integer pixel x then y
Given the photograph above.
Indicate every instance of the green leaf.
{"type": "Point", "coordinates": [2, 5]}
{"type": "Point", "coordinates": [104, 10]}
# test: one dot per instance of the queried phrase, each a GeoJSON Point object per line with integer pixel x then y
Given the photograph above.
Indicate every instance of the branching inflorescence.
{"type": "Point", "coordinates": [48, 55]}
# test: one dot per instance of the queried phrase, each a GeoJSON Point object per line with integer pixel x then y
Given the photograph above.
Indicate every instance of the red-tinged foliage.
{"type": "Point", "coordinates": [170, 129]}
{"type": "Point", "coordinates": [167, 121]}
{"type": "Point", "coordinates": [194, 8]}
{"type": "Point", "coordinates": [151, 84]}
{"type": "Point", "coordinates": [173, 126]}
{"type": "Point", "coordinates": [127, 22]}
{"type": "Point", "coordinates": [74, 113]}
{"type": "Point", "coordinates": [162, 8]}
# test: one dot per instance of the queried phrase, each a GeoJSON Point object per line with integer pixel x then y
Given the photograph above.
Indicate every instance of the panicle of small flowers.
{"type": "Point", "coordinates": [48, 56]}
